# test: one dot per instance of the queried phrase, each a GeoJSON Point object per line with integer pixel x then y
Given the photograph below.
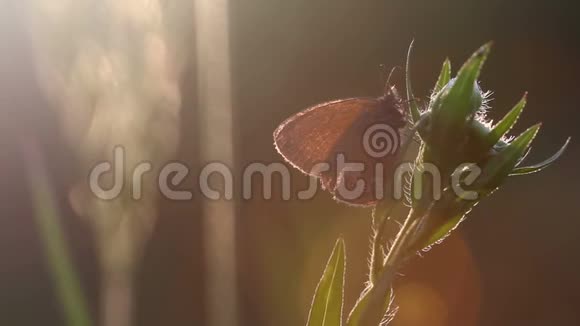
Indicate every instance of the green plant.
{"type": "Point", "coordinates": [453, 133]}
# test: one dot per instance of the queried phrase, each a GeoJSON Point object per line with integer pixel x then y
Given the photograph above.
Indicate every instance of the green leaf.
{"type": "Point", "coordinates": [503, 163]}
{"type": "Point", "coordinates": [444, 76]}
{"type": "Point", "coordinates": [458, 101]}
{"type": "Point", "coordinates": [540, 166]}
{"type": "Point", "coordinates": [446, 215]}
{"type": "Point", "coordinates": [326, 308]}
{"type": "Point", "coordinates": [502, 127]}
{"type": "Point", "coordinates": [440, 233]}
{"type": "Point", "coordinates": [467, 76]}
{"type": "Point", "coordinates": [360, 307]}
{"type": "Point", "coordinates": [413, 107]}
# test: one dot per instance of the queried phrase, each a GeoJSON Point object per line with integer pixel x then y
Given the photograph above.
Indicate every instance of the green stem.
{"type": "Point", "coordinates": [400, 244]}
{"type": "Point", "coordinates": [397, 253]}
{"type": "Point", "coordinates": [377, 241]}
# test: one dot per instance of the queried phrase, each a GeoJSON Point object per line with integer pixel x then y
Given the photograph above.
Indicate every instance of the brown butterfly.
{"type": "Point", "coordinates": [362, 130]}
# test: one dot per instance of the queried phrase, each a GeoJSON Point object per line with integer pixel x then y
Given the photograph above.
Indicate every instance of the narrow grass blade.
{"type": "Point", "coordinates": [67, 284]}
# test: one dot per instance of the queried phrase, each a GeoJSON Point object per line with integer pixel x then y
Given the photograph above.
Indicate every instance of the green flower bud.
{"type": "Point", "coordinates": [457, 134]}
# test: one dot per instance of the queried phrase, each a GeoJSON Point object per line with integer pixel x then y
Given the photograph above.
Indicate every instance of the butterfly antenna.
{"type": "Point", "coordinates": [388, 81]}
{"type": "Point", "coordinates": [382, 72]}
{"type": "Point", "coordinates": [391, 74]}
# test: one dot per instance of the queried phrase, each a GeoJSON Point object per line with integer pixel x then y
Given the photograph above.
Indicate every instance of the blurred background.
{"type": "Point", "coordinates": [515, 261]}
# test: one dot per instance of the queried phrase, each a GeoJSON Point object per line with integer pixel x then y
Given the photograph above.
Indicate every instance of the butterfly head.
{"type": "Point", "coordinates": [392, 105]}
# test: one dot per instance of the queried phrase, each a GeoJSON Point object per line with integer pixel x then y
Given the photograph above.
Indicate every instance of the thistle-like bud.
{"type": "Point", "coordinates": [457, 140]}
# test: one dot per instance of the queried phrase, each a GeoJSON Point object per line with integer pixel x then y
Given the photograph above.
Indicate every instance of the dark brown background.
{"type": "Point", "coordinates": [514, 262]}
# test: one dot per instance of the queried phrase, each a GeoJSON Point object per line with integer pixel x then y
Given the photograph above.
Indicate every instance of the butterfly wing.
{"type": "Point", "coordinates": [327, 131]}
{"type": "Point", "coordinates": [310, 136]}
{"type": "Point", "coordinates": [372, 142]}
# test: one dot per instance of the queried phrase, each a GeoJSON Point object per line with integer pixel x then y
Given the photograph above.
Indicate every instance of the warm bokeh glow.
{"type": "Point", "coordinates": [194, 81]}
